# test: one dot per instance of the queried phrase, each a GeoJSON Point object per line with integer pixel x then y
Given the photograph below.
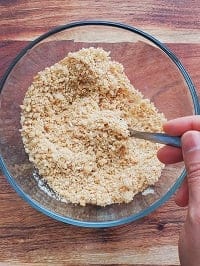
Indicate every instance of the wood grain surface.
{"type": "Point", "coordinates": [27, 237]}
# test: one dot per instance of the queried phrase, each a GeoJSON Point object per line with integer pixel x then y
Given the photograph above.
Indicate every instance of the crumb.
{"type": "Point", "coordinates": [75, 119]}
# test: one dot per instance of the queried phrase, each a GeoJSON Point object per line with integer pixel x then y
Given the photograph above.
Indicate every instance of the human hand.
{"type": "Point", "coordinates": [189, 192]}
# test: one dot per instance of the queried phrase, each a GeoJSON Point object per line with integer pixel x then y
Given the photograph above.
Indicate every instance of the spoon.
{"type": "Point", "coordinates": [156, 137]}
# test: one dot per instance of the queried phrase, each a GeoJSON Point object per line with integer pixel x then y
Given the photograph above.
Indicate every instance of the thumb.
{"type": "Point", "coordinates": [191, 155]}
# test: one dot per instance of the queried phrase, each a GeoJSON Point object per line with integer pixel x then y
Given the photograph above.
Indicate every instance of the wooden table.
{"type": "Point", "coordinates": [27, 237]}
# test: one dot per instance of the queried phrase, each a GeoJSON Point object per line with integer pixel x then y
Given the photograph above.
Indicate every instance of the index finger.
{"type": "Point", "coordinates": [178, 126]}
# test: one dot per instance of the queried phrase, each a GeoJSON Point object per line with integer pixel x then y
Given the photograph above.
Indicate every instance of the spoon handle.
{"type": "Point", "coordinates": [157, 137]}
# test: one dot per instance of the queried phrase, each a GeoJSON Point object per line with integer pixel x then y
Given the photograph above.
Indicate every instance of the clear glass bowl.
{"type": "Point", "coordinates": [152, 68]}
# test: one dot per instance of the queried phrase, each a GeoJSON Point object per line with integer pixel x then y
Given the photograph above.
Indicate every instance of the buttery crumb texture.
{"type": "Point", "coordinates": [75, 118]}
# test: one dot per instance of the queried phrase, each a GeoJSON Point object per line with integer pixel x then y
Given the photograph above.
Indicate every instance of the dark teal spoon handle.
{"type": "Point", "coordinates": [157, 137]}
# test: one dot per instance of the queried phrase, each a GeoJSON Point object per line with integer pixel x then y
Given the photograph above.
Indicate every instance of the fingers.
{"type": "Point", "coordinates": [191, 155]}
{"type": "Point", "coordinates": [188, 128]}
{"type": "Point", "coordinates": [169, 155]}
{"type": "Point", "coordinates": [182, 195]}
{"type": "Point", "coordinates": [177, 127]}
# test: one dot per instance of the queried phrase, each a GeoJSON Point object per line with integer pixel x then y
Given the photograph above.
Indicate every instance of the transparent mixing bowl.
{"type": "Point", "coordinates": [152, 68]}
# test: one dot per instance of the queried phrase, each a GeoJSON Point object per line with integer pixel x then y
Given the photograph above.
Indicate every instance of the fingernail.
{"type": "Point", "coordinates": [191, 141]}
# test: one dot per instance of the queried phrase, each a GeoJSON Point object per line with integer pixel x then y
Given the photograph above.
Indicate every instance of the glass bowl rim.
{"type": "Point", "coordinates": [156, 204]}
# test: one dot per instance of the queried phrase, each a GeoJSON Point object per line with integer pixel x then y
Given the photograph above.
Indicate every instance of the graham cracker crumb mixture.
{"type": "Point", "coordinates": [75, 118]}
